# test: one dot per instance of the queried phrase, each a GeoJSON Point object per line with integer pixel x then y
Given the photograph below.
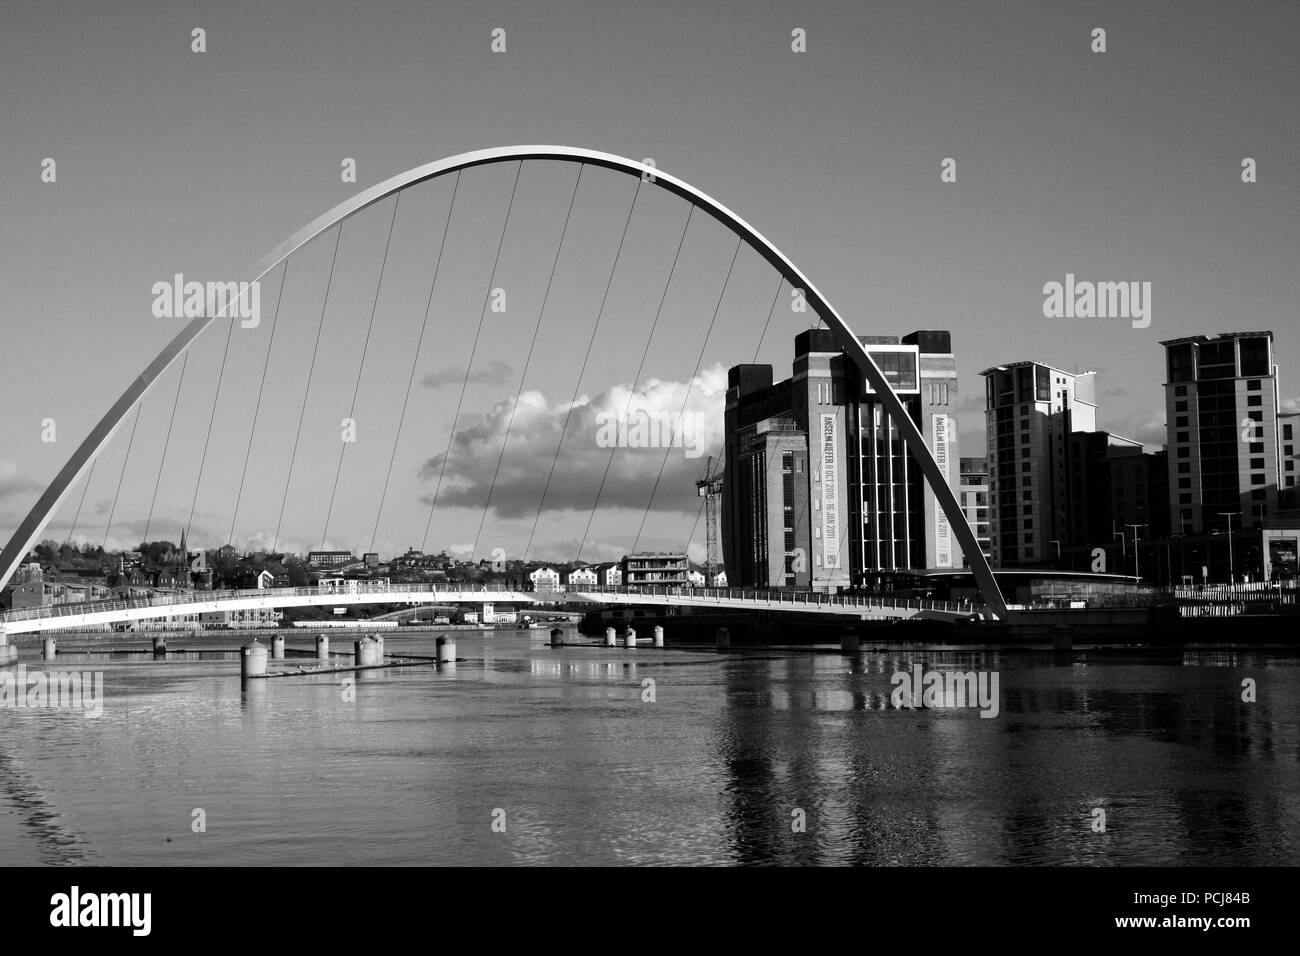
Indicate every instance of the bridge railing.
{"type": "Point", "coordinates": [782, 596]}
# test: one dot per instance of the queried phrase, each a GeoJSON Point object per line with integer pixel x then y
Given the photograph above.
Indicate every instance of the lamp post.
{"type": "Point", "coordinates": [1230, 515]}
{"type": "Point", "coordinates": [1137, 572]}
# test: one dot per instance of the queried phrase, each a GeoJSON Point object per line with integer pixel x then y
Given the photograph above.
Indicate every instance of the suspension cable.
{"type": "Point", "coordinates": [293, 457]}
{"type": "Point", "coordinates": [451, 435]}
{"type": "Point", "coordinates": [690, 384]}
{"type": "Point", "coordinates": [632, 393]}
{"type": "Point", "coordinates": [578, 384]}
{"type": "Point", "coordinates": [113, 510]}
{"type": "Point", "coordinates": [523, 376]}
{"type": "Point", "coordinates": [162, 463]}
{"type": "Point", "coordinates": [361, 367]}
{"type": "Point", "coordinates": [270, 344]}
{"type": "Point", "coordinates": [415, 360]}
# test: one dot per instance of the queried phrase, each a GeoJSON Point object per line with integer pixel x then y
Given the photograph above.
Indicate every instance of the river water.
{"type": "Point", "coordinates": [523, 754]}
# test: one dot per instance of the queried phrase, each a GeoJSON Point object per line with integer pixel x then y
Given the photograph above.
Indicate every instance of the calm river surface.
{"type": "Point", "coordinates": [416, 769]}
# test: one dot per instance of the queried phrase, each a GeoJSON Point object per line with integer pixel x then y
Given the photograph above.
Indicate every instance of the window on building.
{"type": "Point", "coordinates": [1184, 467]}
{"type": "Point", "coordinates": [1180, 362]}
{"type": "Point", "coordinates": [1180, 390]}
{"type": "Point", "coordinates": [1184, 482]}
{"type": "Point", "coordinates": [1254, 385]}
{"type": "Point", "coordinates": [1180, 406]}
{"type": "Point", "coordinates": [1257, 479]}
{"type": "Point", "coordinates": [1257, 463]}
{"type": "Point", "coordinates": [1286, 432]}
{"type": "Point", "coordinates": [1185, 499]}
{"type": "Point", "coordinates": [1256, 447]}
{"type": "Point", "coordinates": [1180, 421]}
{"type": "Point", "coordinates": [1254, 400]}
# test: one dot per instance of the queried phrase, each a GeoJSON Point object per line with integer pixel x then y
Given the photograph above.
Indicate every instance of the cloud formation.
{"type": "Point", "coordinates": [467, 470]}
{"type": "Point", "coordinates": [496, 373]}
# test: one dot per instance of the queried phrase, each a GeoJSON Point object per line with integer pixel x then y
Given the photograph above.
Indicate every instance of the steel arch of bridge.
{"type": "Point", "coordinates": [34, 524]}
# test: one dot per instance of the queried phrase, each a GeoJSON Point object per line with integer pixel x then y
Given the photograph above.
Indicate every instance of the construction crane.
{"type": "Point", "coordinates": [709, 487]}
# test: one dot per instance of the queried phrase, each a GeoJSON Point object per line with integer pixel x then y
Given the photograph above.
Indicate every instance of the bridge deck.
{"type": "Point", "coordinates": [163, 605]}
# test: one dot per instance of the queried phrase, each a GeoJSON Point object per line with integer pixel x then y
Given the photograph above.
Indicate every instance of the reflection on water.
{"type": "Point", "coordinates": [608, 756]}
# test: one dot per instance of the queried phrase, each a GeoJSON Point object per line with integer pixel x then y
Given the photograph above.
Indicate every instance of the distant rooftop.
{"type": "Point", "coordinates": [1221, 335]}
{"type": "Point", "coordinates": [1010, 365]}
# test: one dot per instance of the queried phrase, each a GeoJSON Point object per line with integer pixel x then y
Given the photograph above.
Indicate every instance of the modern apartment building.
{"type": "Point", "coordinates": [1047, 462]}
{"type": "Point", "coordinates": [656, 568]}
{"type": "Point", "coordinates": [1221, 407]}
{"type": "Point", "coordinates": [975, 502]}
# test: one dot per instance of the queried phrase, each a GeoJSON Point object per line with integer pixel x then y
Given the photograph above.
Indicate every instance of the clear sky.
{"type": "Point", "coordinates": [1123, 165]}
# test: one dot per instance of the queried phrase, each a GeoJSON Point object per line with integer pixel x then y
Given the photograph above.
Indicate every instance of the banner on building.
{"type": "Point", "coordinates": [830, 494]}
{"type": "Point", "coordinates": [940, 428]}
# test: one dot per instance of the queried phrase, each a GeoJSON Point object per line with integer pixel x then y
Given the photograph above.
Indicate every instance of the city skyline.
{"type": "Point", "coordinates": [978, 251]}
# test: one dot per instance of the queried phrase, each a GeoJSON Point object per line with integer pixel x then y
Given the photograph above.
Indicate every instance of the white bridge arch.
{"type": "Point", "coordinates": [34, 524]}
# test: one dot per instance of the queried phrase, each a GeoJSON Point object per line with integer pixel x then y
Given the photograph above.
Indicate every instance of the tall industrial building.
{"type": "Point", "coordinates": [1221, 407]}
{"type": "Point", "coordinates": [820, 489]}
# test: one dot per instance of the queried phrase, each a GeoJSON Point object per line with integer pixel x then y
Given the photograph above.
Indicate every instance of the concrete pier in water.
{"type": "Point", "coordinates": [252, 660]}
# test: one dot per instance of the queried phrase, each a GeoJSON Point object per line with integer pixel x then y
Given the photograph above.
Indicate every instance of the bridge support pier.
{"type": "Point", "coordinates": [252, 663]}
{"type": "Point", "coordinates": [277, 647]}
{"type": "Point", "coordinates": [365, 652]}
{"type": "Point", "coordinates": [659, 636]}
{"type": "Point", "coordinates": [850, 642]}
{"type": "Point", "coordinates": [629, 637]}
{"type": "Point", "coordinates": [722, 639]}
{"type": "Point", "coordinates": [8, 653]}
{"type": "Point", "coordinates": [378, 638]}
{"type": "Point", "coordinates": [50, 648]}
{"type": "Point", "coordinates": [609, 637]}
{"type": "Point", "coordinates": [322, 647]}
{"type": "Point", "coordinates": [557, 637]}
{"type": "Point", "coordinates": [160, 645]}
{"type": "Point", "coordinates": [446, 650]}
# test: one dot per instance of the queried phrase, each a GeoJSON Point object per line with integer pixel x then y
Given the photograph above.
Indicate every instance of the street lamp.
{"type": "Point", "coordinates": [1136, 571]}
{"type": "Point", "coordinates": [1230, 515]}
